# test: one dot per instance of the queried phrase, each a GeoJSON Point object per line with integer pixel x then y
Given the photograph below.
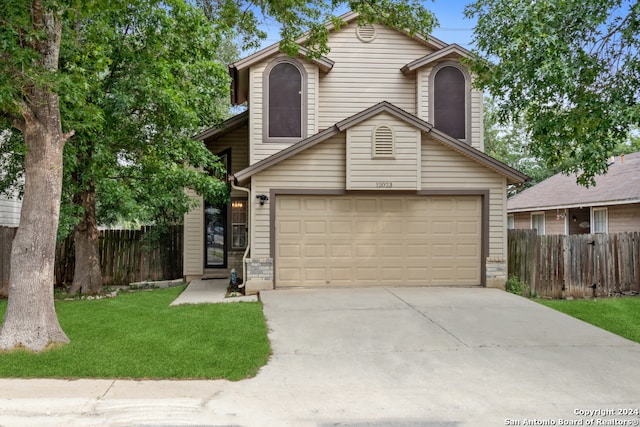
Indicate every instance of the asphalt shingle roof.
{"type": "Point", "coordinates": [621, 184]}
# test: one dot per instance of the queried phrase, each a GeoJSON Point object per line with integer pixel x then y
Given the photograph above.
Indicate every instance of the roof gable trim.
{"type": "Point", "coordinates": [227, 126]}
{"type": "Point", "coordinates": [452, 49]}
{"type": "Point", "coordinates": [324, 63]}
{"type": "Point", "coordinates": [512, 175]}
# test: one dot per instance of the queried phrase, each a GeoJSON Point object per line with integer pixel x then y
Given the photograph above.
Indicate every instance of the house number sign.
{"type": "Point", "coordinates": [384, 184]}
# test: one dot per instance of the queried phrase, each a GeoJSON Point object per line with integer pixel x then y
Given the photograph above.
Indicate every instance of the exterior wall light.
{"type": "Point", "coordinates": [263, 198]}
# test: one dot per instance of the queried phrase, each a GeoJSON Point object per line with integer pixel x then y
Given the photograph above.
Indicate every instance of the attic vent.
{"type": "Point", "coordinates": [383, 146]}
{"type": "Point", "coordinates": [366, 33]}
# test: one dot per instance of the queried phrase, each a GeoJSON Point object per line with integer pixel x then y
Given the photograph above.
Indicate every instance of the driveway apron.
{"type": "Point", "coordinates": [441, 356]}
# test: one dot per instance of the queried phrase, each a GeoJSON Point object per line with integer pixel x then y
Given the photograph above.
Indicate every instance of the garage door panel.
{"type": "Point", "coordinates": [470, 251]}
{"type": "Point", "coordinates": [391, 205]}
{"type": "Point", "coordinates": [289, 274]}
{"type": "Point", "coordinates": [417, 274]}
{"type": "Point", "coordinates": [341, 250]}
{"type": "Point", "coordinates": [290, 251]}
{"type": "Point", "coordinates": [443, 228]}
{"type": "Point", "coordinates": [317, 204]}
{"type": "Point", "coordinates": [315, 227]}
{"type": "Point", "coordinates": [391, 274]}
{"type": "Point", "coordinates": [377, 240]}
{"type": "Point", "coordinates": [366, 227]}
{"type": "Point", "coordinates": [366, 251]}
{"type": "Point", "coordinates": [391, 227]}
{"type": "Point", "coordinates": [315, 274]}
{"type": "Point", "coordinates": [466, 227]}
{"type": "Point", "coordinates": [366, 274]}
{"type": "Point", "coordinates": [365, 205]}
{"type": "Point", "coordinates": [415, 228]}
{"type": "Point", "coordinates": [289, 227]}
{"type": "Point", "coordinates": [391, 251]}
{"type": "Point", "coordinates": [315, 251]}
{"type": "Point", "coordinates": [338, 228]}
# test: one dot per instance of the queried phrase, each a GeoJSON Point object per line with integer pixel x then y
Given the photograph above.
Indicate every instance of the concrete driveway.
{"type": "Point", "coordinates": [379, 357]}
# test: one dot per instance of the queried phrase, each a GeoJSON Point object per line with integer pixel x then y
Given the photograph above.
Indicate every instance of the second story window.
{"type": "Point", "coordinates": [449, 102]}
{"type": "Point", "coordinates": [284, 113]}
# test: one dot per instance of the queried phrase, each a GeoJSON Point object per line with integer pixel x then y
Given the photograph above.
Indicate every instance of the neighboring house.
{"type": "Point", "coordinates": [559, 205]}
{"type": "Point", "coordinates": [9, 211]}
{"type": "Point", "coordinates": [365, 167]}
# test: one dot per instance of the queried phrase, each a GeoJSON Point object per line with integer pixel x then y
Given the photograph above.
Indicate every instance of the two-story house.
{"type": "Point", "coordinates": [362, 168]}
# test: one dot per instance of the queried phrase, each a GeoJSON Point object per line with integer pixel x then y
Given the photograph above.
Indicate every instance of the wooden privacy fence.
{"type": "Point", "coordinates": [125, 256]}
{"type": "Point", "coordinates": [579, 266]}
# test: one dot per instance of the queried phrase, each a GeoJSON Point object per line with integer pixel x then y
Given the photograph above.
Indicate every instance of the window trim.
{"type": "Point", "coordinates": [467, 95]}
{"type": "Point", "coordinates": [593, 222]}
{"type": "Point", "coordinates": [233, 224]}
{"type": "Point", "coordinates": [544, 222]}
{"type": "Point", "coordinates": [265, 101]}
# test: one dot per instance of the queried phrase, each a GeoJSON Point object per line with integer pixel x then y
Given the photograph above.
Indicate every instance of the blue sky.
{"type": "Point", "coordinates": [453, 28]}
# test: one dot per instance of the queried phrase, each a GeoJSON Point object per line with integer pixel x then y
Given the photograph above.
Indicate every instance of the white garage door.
{"type": "Point", "coordinates": [377, 240]}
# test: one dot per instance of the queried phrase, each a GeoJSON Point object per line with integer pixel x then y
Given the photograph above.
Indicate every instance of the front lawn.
{"type": "Point", "coordinates": [137, 335]}
{"type": "Point", "coordinates": [618, 315]}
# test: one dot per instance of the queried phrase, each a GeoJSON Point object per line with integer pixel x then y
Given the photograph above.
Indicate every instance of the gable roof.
{"type": "Point", "coordinates": [239, 69]}
{"type": "Point", "coordinates": [512, 175]}
{"type": "Point", "coordinates": [225, 127]}
{"type": "Point", "coordinates": [451, 51]}
{"type": "Point", "coordinates": [620, 185]}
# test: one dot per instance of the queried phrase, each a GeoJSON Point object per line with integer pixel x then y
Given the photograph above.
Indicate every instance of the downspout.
{"type": "Point", "coordinates": [232, 181]}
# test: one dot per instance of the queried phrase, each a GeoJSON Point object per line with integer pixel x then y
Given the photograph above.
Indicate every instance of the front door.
{"type": "Point", "coordinates": [215, 232]}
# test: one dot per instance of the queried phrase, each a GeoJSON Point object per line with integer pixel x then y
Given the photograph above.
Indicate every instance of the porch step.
{"type": "Point", "coordinates": [215, 275]}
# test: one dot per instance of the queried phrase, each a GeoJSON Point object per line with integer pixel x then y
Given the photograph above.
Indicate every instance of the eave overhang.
{"type": "Point", "coordinates": [513, 176]}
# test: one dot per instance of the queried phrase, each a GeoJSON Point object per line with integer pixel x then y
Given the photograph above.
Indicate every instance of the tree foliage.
{"type": "Point", "coordinates": [570, 69]}
{"type": "Point", "coordinates": [509, 142]}
{"type": "Point", "coordinates": [115, 75]}
{"type": "Point", "coordinates": [160, 82]}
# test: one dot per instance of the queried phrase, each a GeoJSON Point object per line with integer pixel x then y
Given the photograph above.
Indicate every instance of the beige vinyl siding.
{"type": "Point", "coordinates": [319, 167]}
{"type": "Point", "coordinates": [10, 212]}
{"type": "Point", "coordinates": [237, 141]}
{"type": "Point", "coordinates": [194, 238]}
{"type": "Point", "coordinates": [624, 218]}
{"type": "Point", "coordinates": [477, 125]}
{"type": "Point", "coordinates": [424, 99]}
{"type": "Point", "coordinates": [443, 168]}
{"type": "Point", "coordinates": [364, 172]}
{"type": "Point", "coordinates": [260, 150]}
{"type": "Point", "coordinates": [423, 90]}
{"type": "Point", "coordinates": [367, 73]}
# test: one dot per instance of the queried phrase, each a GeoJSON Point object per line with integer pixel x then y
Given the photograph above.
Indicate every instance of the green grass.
{"type": "Point", "coordinates": [137, 335]}
{"type": "Point", "coordinates": [618, 315]}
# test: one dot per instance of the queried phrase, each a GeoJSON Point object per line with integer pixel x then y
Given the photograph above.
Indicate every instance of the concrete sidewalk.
{"type": "Point", "coordinates": [377, 357]}
{"type": "Point", "coordinates": [209, 291]}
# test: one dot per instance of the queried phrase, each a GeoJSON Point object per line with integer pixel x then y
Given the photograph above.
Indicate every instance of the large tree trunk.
{"type": "Point", "coordinates": [30, 320]}
{"type": "Point", "coordinates": [87, 277]}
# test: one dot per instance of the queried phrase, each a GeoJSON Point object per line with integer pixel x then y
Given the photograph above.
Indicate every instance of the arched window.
{"type": "Point", "coordinates": [284, 115]}
{"type": "Point", "coordinates": [449, 102]}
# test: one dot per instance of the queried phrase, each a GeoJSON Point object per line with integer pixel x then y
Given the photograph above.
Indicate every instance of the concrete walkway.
{"type": "Point", "coordinates": [209, 291]}
{"type": "Point", "coordinates": [376, 357]}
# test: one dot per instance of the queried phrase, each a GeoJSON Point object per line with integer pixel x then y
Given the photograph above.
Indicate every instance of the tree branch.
{"type": "Point", "coordinates": [37, 14]}
{"type": "Point", "coordinates": [15, 121]}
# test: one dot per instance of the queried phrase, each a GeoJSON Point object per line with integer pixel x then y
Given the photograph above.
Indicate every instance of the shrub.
{"type": "Point", "coordinates": [517, 286]}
